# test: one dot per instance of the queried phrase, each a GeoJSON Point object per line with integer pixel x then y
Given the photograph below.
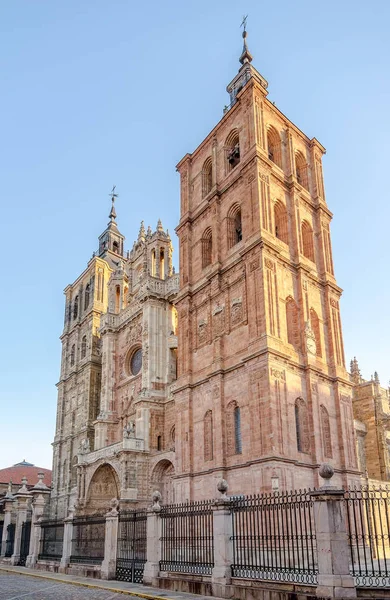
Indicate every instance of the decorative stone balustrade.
{"type": "Point", "coordinates": [130, 444]}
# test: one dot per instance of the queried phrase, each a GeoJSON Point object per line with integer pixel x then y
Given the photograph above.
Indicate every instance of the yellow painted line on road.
{"type": "Point", "coordinates": [87, 585]}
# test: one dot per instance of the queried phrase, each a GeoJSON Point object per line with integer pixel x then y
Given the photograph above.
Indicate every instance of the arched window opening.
{"type": "Point", "coordinates": [281, 222]}
{"type": "Point", "coordinates": [307, 241]}
{"type": "Point", "coordinates": [207, 176]}
{"type": "Point", "coordinates": [159, 442]}
{"type": "Point", "coordinates": [302, 426]}
{"type": "Point", "coordinates": [72, 355]}
{"type": "Point", "coordinates": [76, 307]}
{"type": "Point", "coordinates": [84, 346]}
{"type": "Point", "coordinates": [87, 294]}
{"type": "Point", "coordinates": [315, 326]}
{"type": "Point", "coordinates": [232, 149]}
{"type": "Point", "coordinates": [237, 430]}
{"type": "Point", "coordinates": [207, 248]}
{"type": "Point", "coordinates": [117, 298]}
{"type": "Point", "coordinates": [234, 226]}
{"type": "Point", "coordinates": [74, 471]}
{"type": "Point", "coordinates": [162, 263]}
{"type": "Point", "coordinates": [274, 146]}
{"type": "Point", "coordinates": [325, 429]}
{"type": "Point", "coordinates": [153, 261]}
{"type": "Point", "coordinates": [173, 363]}
{"type": "Point", "coordinates": [292, 318]}
{"type": "Point", "coordinates": [301, 170]}
{"type": "Point", "coordinates": [208, 435]}
{"type": "Point", "coordinates": [115, 247]}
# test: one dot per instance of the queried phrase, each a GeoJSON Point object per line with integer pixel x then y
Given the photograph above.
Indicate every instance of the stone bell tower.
{"type": "Point", "coordinates": [262, 395]}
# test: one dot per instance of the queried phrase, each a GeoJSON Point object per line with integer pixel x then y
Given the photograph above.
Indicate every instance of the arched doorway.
{"type": "Point", "coordinates": [162, 480]}
{"type": "Point", "coordinates": [103, 488]}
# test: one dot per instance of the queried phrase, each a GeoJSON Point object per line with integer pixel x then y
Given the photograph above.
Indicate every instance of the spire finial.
{"type": "Point", "coordinates": [355, 371]}
{"type": "Point", "coordinates": [246, 56]}
{"type": "Point", "coordinates": [113, 195]}
{"type": "Point", "coordinates": [141, 233]}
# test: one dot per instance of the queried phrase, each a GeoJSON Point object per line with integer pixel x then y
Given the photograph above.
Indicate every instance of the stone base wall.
{"type": "Point", "coordinates": [239, 589]}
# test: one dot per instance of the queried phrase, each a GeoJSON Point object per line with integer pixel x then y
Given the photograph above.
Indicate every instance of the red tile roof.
{"type": "Point", "coordinates": [16, 473]}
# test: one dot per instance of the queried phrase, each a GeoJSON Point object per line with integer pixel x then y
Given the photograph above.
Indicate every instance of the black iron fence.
{"type": "Point", "coordinates": [24, 543]}
{"type": "Point", "coordinates": [274, 537]}
{"type": "Point", "coordinates": [131, 548]}
{"type": "Point", "coordinates": [368, 522]}
{"type": "Point", "coordinates": [9, 544]}
{"type": "Point", "coordinates": [187, 538]}
{"type": "Point", "coordinates": [88, 539]}
{"type": "Point", "coordinates": [52, 539]}
{"type": "Point", "coordinates": [1, 534]}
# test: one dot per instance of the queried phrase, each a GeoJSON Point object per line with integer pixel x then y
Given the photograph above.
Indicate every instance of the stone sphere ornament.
{"type": "Point", "coordinates": [326, 471]}
{"type": "Point", "coordinates": [156, 497]}
{"type": "Point", "coordinates": [222, 486]}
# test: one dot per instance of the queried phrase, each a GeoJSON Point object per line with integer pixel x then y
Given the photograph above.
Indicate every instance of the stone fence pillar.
{"type": "Point", "coordinates": [22, 498]}
{"type": "Point", "coordinates": [334, 579]}
{"type": "Point", "coordinates": [8, 509]}
{"type": "Point", "coordinates": [108, 568]}
{"type": "Point", "coordinates": [153, 542]}
{"type": "Point", "coordinates": [67, 544]}
{"type": "Point", "coordinates": [223, 542]}
{"type": "Point", "coordinates": [40, 494]}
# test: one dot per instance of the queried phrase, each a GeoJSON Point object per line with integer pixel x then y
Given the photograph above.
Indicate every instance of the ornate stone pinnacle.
{"type": "Point", "coordinates": [159, 226]}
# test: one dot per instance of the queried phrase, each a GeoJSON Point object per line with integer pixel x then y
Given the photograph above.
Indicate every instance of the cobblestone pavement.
{"type": "Point", "coordinates": [15, 587]}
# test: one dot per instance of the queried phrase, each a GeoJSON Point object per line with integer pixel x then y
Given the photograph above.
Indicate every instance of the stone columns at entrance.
{"type": "Point", "coordinates": [40, 494]}
{"type": "Point", "coordinates": [110, 543]}
{"type": "Point", "coordinates": [153, 542]}
{"type": "Point", "coordinates": [8, 508]}
{"type": "Point", "coordinates": [22, 498]}
{"type": "Point", "coordinates": [223, 545]}
{"type": "Point", "coordinates": [334, 579]}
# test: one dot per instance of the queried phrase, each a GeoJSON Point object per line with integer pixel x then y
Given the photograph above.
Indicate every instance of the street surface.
{"type": "Point", "coordinates": [14, 586]}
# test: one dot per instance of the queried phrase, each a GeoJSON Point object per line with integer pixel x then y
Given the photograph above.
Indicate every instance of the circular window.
{"type": "Point", "coordinates": [136, 362]}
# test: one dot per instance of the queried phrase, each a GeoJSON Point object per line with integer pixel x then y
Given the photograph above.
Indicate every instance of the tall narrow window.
{"type": "Point", "coordinates": [281, 222]}
{"type": "Point", "coordinates": [234, 223]}
{"type": "Point", "coordinates": [301, 170]}
{"type": "Point", "coordinates": [153, 265]}
{"type": "Point", "coordinates": [292, 318]}
{"type": "Point", "coordinates": [162, 263]}
{"type": "Point", "coordinates": [117, 298]}
{"type": "Point", "coordinates": [232, 150]}
{"type": "Point", "coordinates": [302, 426]}
{"type": "Point", "coordinates": [159, 442]}
{"type": "Point", "coordinates": [325, 429]}
{"type": "Point", "coordinates": [87, 295]}
{"type": "Point", "coordinates": [208, 435]}
{"type": "Point", "coordinates": [115, 247]}
{"type": "Point", "coordinates": [307, 241]}
{"type": "Point", "coordinates": [274, 146]}
{"type": "Point", "coordinates": [207, 176]}
{"type": "Point", "coordinates": [76, 307]}
{"type": "Point", "coordinates": [72, 355]}
{"type": "Point", "coordinates": [315, 325]}
{"type": "Point", "coordinates": [84, 346]}
{"type": "Point", "coordinates": [207, 248]}
{"type": "Point", "coordinates": [237, 430]}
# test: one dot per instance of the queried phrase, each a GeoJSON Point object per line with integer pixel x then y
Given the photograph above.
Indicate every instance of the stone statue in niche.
{"type": "Point", "coordinates": [236, 312]}
{"type": "Point", "coordinates": [202, 331]}
{"type": "Point", "coordinates": [310, 339]}
{"type": "Point", "coordinates": [85, 446]}
{"type": "Point", "coordinates": [129, 430]}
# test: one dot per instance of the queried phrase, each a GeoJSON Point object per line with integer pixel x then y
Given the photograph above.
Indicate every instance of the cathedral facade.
{"type": "Point", "coordinates": [234, 368]}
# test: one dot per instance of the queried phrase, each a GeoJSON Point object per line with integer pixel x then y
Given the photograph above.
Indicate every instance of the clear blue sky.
{"type": "Point", "coordinates": [100, 92]}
